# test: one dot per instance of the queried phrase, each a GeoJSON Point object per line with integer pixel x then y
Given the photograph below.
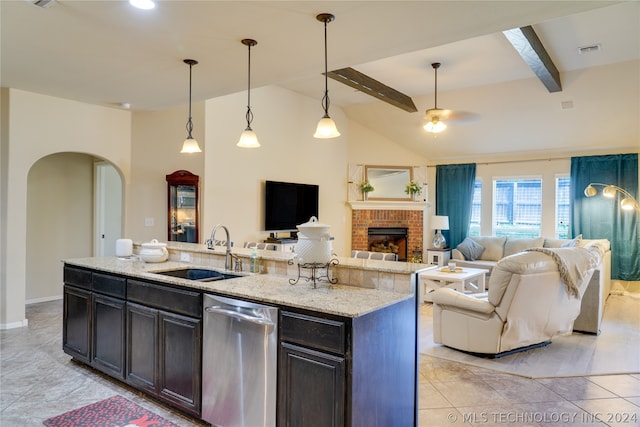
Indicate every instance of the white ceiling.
{"type": "Point", "coordinates": [107, 53]}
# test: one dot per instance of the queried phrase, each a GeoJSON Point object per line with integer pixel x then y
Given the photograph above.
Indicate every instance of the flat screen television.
{"type": "Point", "coordinates": [288, 205]}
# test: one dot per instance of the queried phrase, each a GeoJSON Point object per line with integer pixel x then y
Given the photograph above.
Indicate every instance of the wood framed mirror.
{"type": "Point", "coordinates": [388, 182]}
{"type": "Point", "coordinates": [182, 190]}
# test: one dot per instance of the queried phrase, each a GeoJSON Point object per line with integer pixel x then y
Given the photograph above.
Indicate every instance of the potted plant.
{"type": "Point", "coordinates": [366, 187]}
{"type": "Point", "coordinates": [413, 189]}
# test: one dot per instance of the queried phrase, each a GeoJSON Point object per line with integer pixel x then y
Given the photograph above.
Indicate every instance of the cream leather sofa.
{"type": "Point", "coordinates": [496, 248]}
{"type": "Point", "coordinates": [527, 303]}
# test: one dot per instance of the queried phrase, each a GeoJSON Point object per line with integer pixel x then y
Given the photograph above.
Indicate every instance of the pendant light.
{"type": "Point", "coordinates": [190, 145]}
{"type": "Point", "coordinates": [435, 125]}
{"type": "Point", "coordinates": [326, 126]}
{"type": "Point", "coordinates": [248, 138]}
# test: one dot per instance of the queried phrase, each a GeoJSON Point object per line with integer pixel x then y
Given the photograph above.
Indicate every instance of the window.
{"type": "Point", "coordinates": [563, 207]}
{"type": "Point", "coordinates": [517, 209]}
{"type": "Point", "coordinates": [476, 209]}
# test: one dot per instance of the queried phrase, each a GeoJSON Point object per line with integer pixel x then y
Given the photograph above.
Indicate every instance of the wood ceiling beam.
{"type": "Point", "coordinates": [526, 42]}
{"type": "Point", "coordinates": [373, 87]}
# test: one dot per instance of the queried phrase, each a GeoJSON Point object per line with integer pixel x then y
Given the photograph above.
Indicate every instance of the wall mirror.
{"type": "Point", "coordinates": [182, 189]}
{"type": "Point", "coordinates": [389, 182]}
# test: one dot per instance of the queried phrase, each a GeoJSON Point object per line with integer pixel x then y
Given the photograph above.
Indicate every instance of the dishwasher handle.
{"type": "Point", "coordinates": [240, 316]}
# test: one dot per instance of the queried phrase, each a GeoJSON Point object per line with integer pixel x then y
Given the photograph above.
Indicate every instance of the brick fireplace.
{"type": "Point", "coordinates": [363, 219]}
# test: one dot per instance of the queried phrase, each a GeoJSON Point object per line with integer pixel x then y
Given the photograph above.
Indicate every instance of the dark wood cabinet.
{"type": "Point", "coordinates": [146, 334]}
{"type": "Point", "coordinates": [355, 372]}
{"type": "Point", "coordinates": [182, 191]}
{"type": "Point", "coordinates": [312, 388]}
{"type": "Point", "coordinates": [180, 363]}
{"type": "Point", "coordinates": [332, 370]}
{"type": "Point", "coordinates": [312, 371]}
{"type": "Point", "coordinates": [108, 335]}
{"type": "Point", "coordinates": [164, 355]}
{"type": "Point", "coordinates": [76, 328]}
{"type": "Point", "coordinates": [142, 347]}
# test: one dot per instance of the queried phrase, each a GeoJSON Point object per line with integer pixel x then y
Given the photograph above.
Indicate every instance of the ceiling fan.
{"type": "Point", "coordinates": [436, 117]}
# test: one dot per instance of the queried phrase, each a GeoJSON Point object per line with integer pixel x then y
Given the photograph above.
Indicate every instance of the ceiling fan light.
{"type": "Point", "coordinates": [248, 139]}
{"type": "Point", "coordinates": [590, 191]}
{"type": "Point", "coordinates": [609, 191]}
{"type": "Point", "coordinates": [435, 126]}
{"type": "Point", "coordinates": [326, 128]}
{"type": "Point", "coordinates": [189, 146]}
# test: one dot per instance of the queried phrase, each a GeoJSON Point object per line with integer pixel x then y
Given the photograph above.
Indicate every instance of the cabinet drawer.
{"type": "Point", "coordinates": [313, 332]}
{"type": "Point", "coordinates": [77, 277]}
{"type": "Point", "coordinates": [166, 298]}
{"type": "Point", "coordinates": [110, 285]}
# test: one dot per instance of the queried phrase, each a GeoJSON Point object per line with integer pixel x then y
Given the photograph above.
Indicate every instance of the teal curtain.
{"type": "Point", "coordinates": [454, 196]}
{"type": "Point", "coordinates": [600, 217]}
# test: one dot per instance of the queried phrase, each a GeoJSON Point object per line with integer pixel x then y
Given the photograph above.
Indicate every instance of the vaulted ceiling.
{"type": "Point", "coordinates": [108, 53]}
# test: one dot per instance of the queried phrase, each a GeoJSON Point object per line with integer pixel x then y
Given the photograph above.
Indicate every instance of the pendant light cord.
{"type": "Point", "coordinates": [190, 122]}
{"type": "Point", "coordinates": [325, 98]}
{"type": "Point", "coordinates": [249, 115]}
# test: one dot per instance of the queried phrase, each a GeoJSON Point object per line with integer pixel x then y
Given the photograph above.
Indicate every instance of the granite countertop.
{"type": "Point", "coordinates": [341, 300]}
{"type": "Point", "coordinates": [343, 262]}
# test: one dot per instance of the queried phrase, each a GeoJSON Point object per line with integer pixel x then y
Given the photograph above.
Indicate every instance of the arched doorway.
{"type": "Point", "coordinates": [61, 189]}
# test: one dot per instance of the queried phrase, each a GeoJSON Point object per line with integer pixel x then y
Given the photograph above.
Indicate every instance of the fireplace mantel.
{"type": "Point", "coordinates": [387, 205]}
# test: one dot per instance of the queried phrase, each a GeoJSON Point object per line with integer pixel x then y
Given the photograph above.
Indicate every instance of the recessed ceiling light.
{"type": "Point", "coordinates": [142, 4]}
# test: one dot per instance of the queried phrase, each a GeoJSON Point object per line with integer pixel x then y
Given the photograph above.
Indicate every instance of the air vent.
{"type": "Point", "coordinates": [566, 105]}
{"type": "Point", "coordinates": [589, 49]}
{"type": "Point", "coordinates": [43, 3]}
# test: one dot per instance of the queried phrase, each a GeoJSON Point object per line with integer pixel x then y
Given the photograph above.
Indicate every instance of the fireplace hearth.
{"type": "Point", "coordinates": [388, 240]}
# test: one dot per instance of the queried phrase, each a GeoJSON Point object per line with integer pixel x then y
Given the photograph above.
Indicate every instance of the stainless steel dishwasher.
{"type": "Point", "coordinates": [239, 362]}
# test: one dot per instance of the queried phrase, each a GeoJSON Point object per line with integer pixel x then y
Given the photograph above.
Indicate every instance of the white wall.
{"type": "Point", "coordinates": [40, 125]}
{"type": "Point", "coordinates": [157, 138]}
{"type": "Point", "coordinates": [284, 123]}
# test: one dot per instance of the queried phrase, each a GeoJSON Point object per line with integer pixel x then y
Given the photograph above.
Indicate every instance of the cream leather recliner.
{"type": "Point", "coordinates": [527, 303]}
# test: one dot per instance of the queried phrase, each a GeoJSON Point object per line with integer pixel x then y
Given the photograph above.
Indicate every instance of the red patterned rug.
{"type": "Point", "coordinates": [115, 411]}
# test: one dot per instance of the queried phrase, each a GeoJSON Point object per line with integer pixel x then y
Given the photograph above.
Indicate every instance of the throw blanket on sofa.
{"type": "Point", "coordinates": [574, 266]}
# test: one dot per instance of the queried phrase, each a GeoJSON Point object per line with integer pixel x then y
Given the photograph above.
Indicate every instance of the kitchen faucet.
{"type": "Point", "coordinates": [228, 258]}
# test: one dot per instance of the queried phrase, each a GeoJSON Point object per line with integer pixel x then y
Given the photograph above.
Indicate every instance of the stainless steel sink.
{"type": "Point", "coordinates": [198, 274]}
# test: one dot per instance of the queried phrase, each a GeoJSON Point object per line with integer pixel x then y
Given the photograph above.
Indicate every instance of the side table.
{"type": "Point", "coordinates": [439, 257]}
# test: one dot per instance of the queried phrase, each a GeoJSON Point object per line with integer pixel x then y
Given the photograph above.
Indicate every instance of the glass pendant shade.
{"type": "Point", "coordinates": [326, 128]}
{"type": "Point", "coordinates": [248, 139]}
{"type": "Point", "coordinates": [190, 145]}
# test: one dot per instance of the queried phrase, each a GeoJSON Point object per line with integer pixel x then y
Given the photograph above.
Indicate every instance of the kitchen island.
{"type": "Point", "coordinates": [347, 355]}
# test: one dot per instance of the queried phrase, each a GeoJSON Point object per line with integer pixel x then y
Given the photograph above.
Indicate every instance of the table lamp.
{"type": "Point", "coordinates": [439, 223]}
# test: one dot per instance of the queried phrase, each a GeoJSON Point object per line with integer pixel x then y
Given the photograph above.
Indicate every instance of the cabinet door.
{"type": "Point", "coordinates": [142, 347]}
{"type": "Point", "coordinates": [108, 335]}
{"type": "Point", "coordinates": [76, 324]}
{"type": "Point", "coordinates": [312, 388]}
{"type": "Point", "coordinates": [180, 363]}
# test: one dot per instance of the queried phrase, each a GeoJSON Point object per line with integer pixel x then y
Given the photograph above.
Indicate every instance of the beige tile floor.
{"type": "Point", "coordinates": [38, 381]}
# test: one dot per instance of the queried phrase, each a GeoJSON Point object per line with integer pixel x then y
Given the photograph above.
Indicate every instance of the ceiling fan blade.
{"type": "Point", "coordinates": [437, 112]}
{"type": "Point", "coordinates": [461, 117]}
